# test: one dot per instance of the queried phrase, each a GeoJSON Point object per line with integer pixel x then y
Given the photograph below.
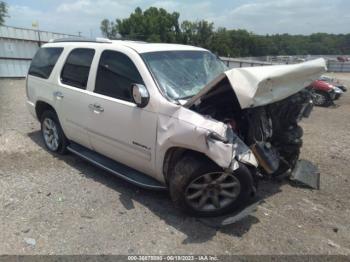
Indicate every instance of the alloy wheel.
{"type": "Point", "coordinates": [50, 134]}
{"type": "Point", "coordinates": [213, 191]}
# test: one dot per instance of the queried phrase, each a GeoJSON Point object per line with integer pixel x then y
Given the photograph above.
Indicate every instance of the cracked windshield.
{"type": "Point", "coordinates": [182, 74]}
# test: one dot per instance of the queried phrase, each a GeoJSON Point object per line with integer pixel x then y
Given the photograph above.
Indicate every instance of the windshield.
{"type": "Point", "coordinates": [182, 74]}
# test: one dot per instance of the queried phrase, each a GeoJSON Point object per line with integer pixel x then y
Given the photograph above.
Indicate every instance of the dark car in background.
{"type": "Point", "coordinates": [343, 59]}
{"type": "Point", "coordinates": [324, 93]}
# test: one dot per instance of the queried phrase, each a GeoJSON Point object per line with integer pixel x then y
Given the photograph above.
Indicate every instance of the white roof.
{"type": "Point", "coordinates": [140, 47]}
{"type": "Point", "coordinates": [144, 47]}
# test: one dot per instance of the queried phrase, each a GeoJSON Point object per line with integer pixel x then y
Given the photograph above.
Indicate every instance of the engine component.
{"type": "Point", "coordinates": [271, 131]}
{"type": "Point", "coordinates": [267, 157]}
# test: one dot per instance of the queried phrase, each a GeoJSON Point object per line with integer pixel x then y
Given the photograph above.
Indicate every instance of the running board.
{"type": "Point", "coordinates": [129, 174]}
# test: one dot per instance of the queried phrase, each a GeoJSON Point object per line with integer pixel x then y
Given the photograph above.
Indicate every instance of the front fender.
{"type": "Point", "coordinates": [194, 132]}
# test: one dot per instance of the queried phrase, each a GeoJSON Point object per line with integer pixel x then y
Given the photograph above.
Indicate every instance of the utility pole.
{"type": "Point", "coordinates": [35, 24]}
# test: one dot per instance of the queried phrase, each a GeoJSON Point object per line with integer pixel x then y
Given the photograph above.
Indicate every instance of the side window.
{"type": "Point", "coordinates": [115, 74]}
{"type": "Point", "coordinates": [44, 61]}
{"type": "Point", "coordinates": [76, 70]}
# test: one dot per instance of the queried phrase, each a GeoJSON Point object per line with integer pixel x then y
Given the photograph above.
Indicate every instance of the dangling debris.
{"type": "Point", "coordinates": [307, 174]}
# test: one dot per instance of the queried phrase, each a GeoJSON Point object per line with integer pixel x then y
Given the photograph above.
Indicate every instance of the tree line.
{"type": "Point", "coordinates": [3, 12]}
{"type": "Point", "coordinates": [158, 25]}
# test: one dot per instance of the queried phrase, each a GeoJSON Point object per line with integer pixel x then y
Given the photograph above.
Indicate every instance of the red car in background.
{"type": "Point", "coordinates": [324, 93]}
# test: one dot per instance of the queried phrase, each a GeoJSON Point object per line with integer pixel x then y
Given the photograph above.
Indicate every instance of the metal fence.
{"type": "Point", "coordinates": [336, 66]}
{"type": "Point", "coordinates": [237, 62]}
{"type": "Point", "coordinates": [18, 46]}
{"type": "Point", "coordinates": [332, 65]}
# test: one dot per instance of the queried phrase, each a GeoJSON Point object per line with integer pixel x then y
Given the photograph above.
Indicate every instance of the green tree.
{"type": "Point", "coordinates": [108, 28]}
{"type": "Point", "coordinates": [198, 33]}
{"type": "Point", "coordinates": [220, 43]}
{"type": "Point", "coordinates": [157, 25]}
{"type": "Point", "coordinates": [105, 27]}
{"type": "Point", "coordinates": [154, 24]}
{"type": "Point", "coordinates": [3, 12]}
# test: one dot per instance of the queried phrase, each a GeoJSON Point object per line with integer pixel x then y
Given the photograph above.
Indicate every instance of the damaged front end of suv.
{"type": "Point", "coordinates": [262, 107]}
{"type": "Point", "coordinates": [228, 133]}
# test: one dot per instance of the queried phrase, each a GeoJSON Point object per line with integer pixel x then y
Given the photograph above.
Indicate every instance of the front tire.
{"type": "Point", "coordinates": [201, 188]}
{"type": "Point", "coordinates": [52, 133]}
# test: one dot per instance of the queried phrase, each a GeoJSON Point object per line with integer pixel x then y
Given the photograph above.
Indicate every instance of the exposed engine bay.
{"type": "Point", "coordinates": [271, 131]}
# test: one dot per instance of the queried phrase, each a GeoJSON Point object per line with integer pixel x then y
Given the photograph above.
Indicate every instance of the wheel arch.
{"type": "Point", "coordinates": [174, 154]}
{"type": "Point", "coordinates": [41, 107]}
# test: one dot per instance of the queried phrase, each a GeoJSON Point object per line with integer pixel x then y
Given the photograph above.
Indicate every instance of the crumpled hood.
{"type": "Point", "coordinates": [262, 85]}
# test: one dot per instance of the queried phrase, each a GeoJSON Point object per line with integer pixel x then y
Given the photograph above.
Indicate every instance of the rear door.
{"type": "Point", "coordinates": [72, 96]}
{"type": "Point", "coordinates": [118, 128]}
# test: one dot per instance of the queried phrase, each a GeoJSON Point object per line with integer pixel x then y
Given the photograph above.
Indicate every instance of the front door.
{"type": "Point", "coordinates": [118, 128]}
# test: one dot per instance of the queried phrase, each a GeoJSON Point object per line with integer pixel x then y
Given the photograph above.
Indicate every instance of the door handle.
{"type": "Point", "coordinates": [96, 108]}
{"type": "Point", "coordinates": [58, 95]}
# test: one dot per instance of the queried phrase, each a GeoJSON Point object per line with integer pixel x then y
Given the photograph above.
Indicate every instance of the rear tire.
{"type": "Point", "coordinates": [52, 133]}
{"type": "Point", "coordinates": [190, 187]}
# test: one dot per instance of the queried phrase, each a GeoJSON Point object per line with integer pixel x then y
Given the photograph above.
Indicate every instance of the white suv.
{"type": "Point", "coordinates": [170, 116]}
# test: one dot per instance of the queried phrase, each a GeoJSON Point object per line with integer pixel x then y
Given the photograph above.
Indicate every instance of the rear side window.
{"type": "Point", "coordinates": [76, 70]}
{"type": "Point", "coordinates": [116, 72]}
{"type": "Point", "coordinates": [44, 61]}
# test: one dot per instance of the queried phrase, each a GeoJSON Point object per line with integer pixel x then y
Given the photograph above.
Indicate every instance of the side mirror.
{"type": "Point", "coordinates": [140, 95]}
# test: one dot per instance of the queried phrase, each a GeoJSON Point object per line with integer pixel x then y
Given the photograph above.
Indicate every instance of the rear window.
{"type": "Point", "coordinates": [44, 61]}
{"type": "Point", "coordinates": [77, 67]}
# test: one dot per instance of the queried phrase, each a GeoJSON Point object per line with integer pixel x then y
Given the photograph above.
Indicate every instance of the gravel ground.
{"type": "Point", "coordinates": [64, 205]}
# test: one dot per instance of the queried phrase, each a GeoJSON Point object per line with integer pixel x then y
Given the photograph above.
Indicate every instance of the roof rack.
{"type": "Point", "coordinates": [81, 39]}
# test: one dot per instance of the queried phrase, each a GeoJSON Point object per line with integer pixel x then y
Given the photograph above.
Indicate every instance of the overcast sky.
{"type": "Point", "coordinates": [258, 16]}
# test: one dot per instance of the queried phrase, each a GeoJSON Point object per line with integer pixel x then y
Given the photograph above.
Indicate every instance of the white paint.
{"type": "Point", "coordinates": [262, 85]}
